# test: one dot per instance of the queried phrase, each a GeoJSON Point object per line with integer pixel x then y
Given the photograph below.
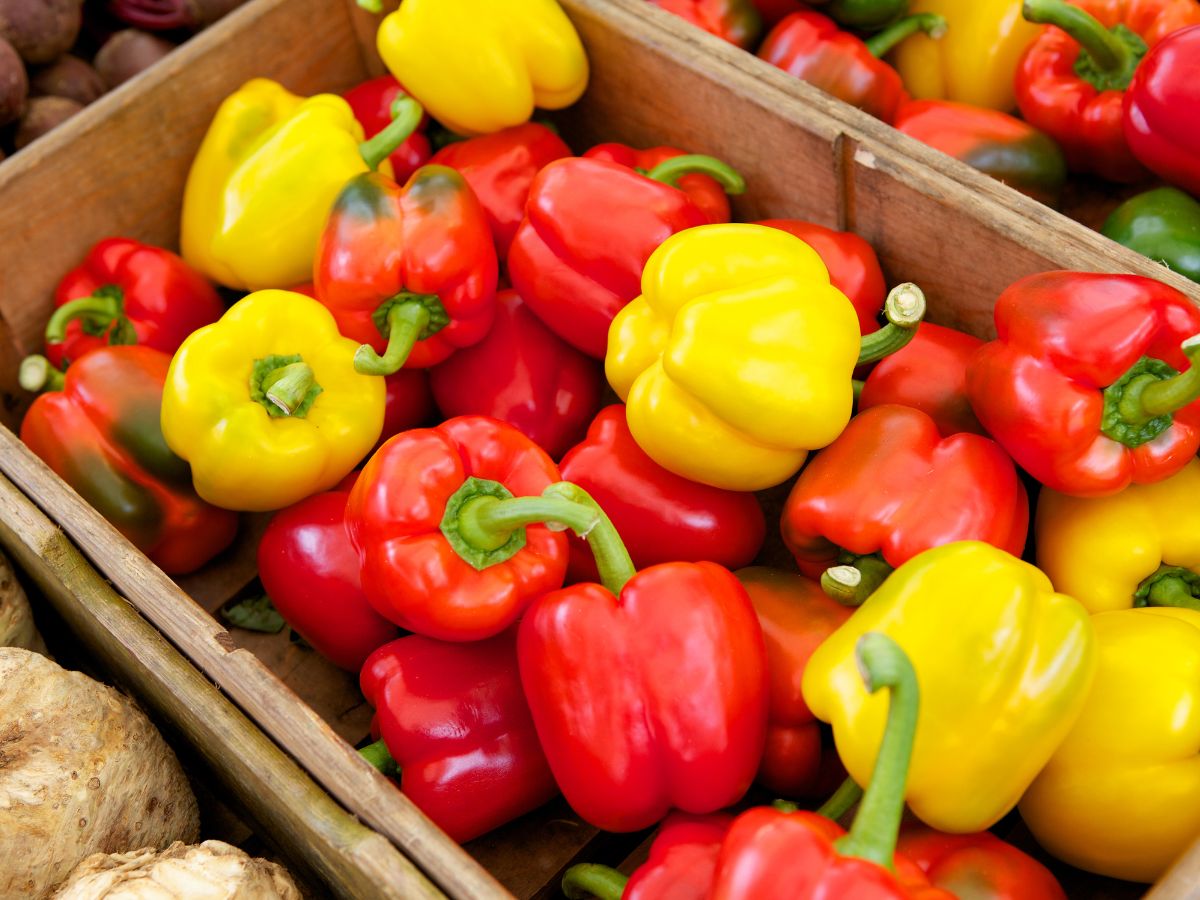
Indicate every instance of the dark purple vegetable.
{"type": "Point", "coordinates": [164, 15]}
{"type": "Point", "coordinates": [128, 52]}
{"type": "Point", "coordinates": [14, 86]}
{"type": "Point", "coordinates": [40, 30]}
{"type": "Point", "coordinates": [70, 77]}
{"type": "Point", "coordinates": [44, 114]}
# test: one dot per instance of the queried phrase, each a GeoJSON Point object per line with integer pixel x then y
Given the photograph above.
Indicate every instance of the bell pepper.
{"type": "Point", "coordinates": [974, 63]}
{"type": "Point", "coordinates": [265, 178]}
{"type": "Point", "coordinates": [409, 271]}
{"type": "Point", "coordinates": [891, 487]}
{"type": "Point", "coordinates": [1161, 109]}
{"type": "Point", "coordinates": [266, 406]}
{"type": "Point", "coordinates": [372, 102]}
{"type": "Point", "coordinates": [523, 374]}
{"type": "Point", "coordinates": [1083, 385]}
{"type": "Point", "coordinates": [1140, 547]}
{"type": "Point", "coordinates": [649, 690]}
{"type": "Point", "coordinates": [991, 141]}
{"type": "Point", "coordinates": [1163, 224]}
{"type": "Point", "coordinates": [853, 266]}
{"type": "Point", "coordinates": [98, 429]}
{"type": "Point", "coordinates": [930, 374]}
{"type": "Point", "coordinates": [309, 569]}
{"type": "Point", "coordinates": [125, 292]}
{"type": "Point", "coordinates": [772, 11]}
{"type": "Point", "coordinates": [500, 169]}
{"type": "Point", "coordinates": [1113, 798]}
{"type": "Point", "coordinates": [454, 718]}
{"type": "Point", "coordinates": [997, 698]}
{"type": "Point", "coordinates": [977, 866]}
{"type": "Point", "coordinates": [813, 48]}
{"type": "Point", "coordinates": [660, 516]}
{"type": "Point", "coordinates": [480, 67]}
{"type": "Point", "coordinates": [863, 14]}
{"type": "Point", "coordinates": [736, 359]}
{"type": "Point", "coordinates": [590, 226]}
{"type": "Point", "coordinates": [735, 21]}
{"type": "Point", "coordinates": [704, 190]}
{"type": "Point", "coordinates": [796, 616]}
{"type": "Point", "coordinates": [1071, 82]}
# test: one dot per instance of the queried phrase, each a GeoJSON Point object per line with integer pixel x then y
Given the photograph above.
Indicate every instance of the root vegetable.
{"type": "Point", "coordinates": [210, 871]}
{"type": "Point", "coordinates": [44, 115]}
{"type": "Point", "coordinates": [160, 15]}
{"type": "Point", "coordinates": [70, 77]}
{"type": "Point", "coordinates": [41, 30]}
{"type": "Point", "coordinates": [16, 621]}
{"type": "Point", "coordinates": [127, 53]}
{"type": "Point", "coordinates": [82, 771]}
{"type": "Point", "coordinates": [14, 85]}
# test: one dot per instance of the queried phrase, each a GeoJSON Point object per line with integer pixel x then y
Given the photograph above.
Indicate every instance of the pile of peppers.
{"type": "Point", "coordinates": [526, 420]}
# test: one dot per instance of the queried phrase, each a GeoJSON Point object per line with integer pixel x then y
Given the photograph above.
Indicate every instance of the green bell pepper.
{"type": "Point", "coordinates": [1163, 224]}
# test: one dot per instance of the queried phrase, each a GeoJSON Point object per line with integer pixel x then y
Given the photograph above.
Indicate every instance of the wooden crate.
{"type": "Point", "coordinates": [959, 234]}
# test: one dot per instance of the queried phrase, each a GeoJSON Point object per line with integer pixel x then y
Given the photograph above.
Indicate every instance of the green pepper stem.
{"type": "Point", "coordinates": [669, 171]}
{"type": "Point", "coordinates": [371, 6]}
{"type": "Point", "coordinates": [488, 522]}
{"type": "Point", "coordinates": [592, 880]}
{"type": "Point", "coordinates": [785, 806]}
{"type": "Point", "coordinates": [904, 308]}
{"type": "Point", "coordinates": [882, 43]}
{"type": "Point", "coordinates": [378, 755]}
{"type": "Point", "coordinates": [873, 835]}
{"type": "Point", "coordinates": [1107, 51]}
{"type": "Point", "coordinates": [851, 585]}
{"type": "Point", "coordinates": [38, 375]}
{"type": "Point", "coordinates": [612, 559]}
{"type": "Point", "coordinates": [841, 800]}
{"type": "Point", "coordinates": [406, 116]}
{"type": "Point", "coordinates": [1169, 586]}
{"type": "Point", "coordinates": [99, 309]}
{"type": "Point", "coordinates": [405, 323]}
{"type": "Point", "coordinates": [858, 385]}
{"type": "Point", "coordinates": [1158, 398]}
{"type": "Point", "coordinates": [287, 387]}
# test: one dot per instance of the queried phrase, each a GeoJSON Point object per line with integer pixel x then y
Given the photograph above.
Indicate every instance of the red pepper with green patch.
{"type": "Point", "coordinates": [735, 21]}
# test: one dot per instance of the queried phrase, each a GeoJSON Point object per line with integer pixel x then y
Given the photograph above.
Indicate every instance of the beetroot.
{"type": "Point", "coordinates": [127, 53]}
{"type": "Point", "coordinates": [14, 86]}
{"type": "Point", "coordinates": [164, 15]}
{"type": "Point", "coordinates": [44, 114]}
{"type": "Point", "coordinates": [70, 77]}
{"type": "Point", "coordinates": [40, 30]}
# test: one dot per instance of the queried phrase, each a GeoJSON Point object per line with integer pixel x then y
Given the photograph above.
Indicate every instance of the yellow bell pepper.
{"type": "Point", "coordinates": [266, 406]}
{"type": "Point", "coordinates": [265, 178]}
{"type": "Point", "coordinates": [478, 65]}
{"type": "Point", "coordinates": [736, 360]}
{"type": "Point", "coordinates": [1003, 663]}
{"type": "Point", "coordinates": [1119, 795]}
{"type": "Point", "coordinates": [976, 59]}
{"type": "Point", "coordinates": [1136, 548]}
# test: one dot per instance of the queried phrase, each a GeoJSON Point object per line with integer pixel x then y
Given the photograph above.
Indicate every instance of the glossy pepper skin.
{"type": "Point", "coordinates": [683, 859]}
{"type": "Point", "coordinates": [735, 21]}
{"type": "Point", "coordinates": [490, 76]}
{"type": "Point", "coordinates": [930, 374]}
{"type": "Point", "coordinates": [454, 718]}
{"type": "Point", "coordinates": [99, 431]}
{"type": "Point", "coordinates": [1136, 548]}
{"type": "Point", "coordinates": [266, 405]}
{"type": "Point", "coordinates": [974, 62]}
{"type": "Point", "coordinates": [371, 103]}
{"type": "Point", "coordinates": [408, 271]}
{"type": "Point", "coordinates": [523, 374]}
{"type": "Point", "coordinates": [995, 702]}
{"type": "Point", "coordinates": [1163, 224]}
{"type": "Point", "coordinates": [310, 570]}
{"type": "Point", "coordinates": [977, 866]}
{"type": "Point", "coordinates": [991, 141]}
{"type": "Point", "coordinates": [796, 616]}
{"type": "Point", "coordinates": [1161, 106]}
{"type": "Point", "coordinates": [1070, 386]}
{"type": "Point", "coordinates": [411, 573]}
{"type": "Point", "coordinates": [1072, 79]}
{"type": "Point", "coordinates": [1109, 801]}
{"type": "Point", "coordinates": [126, 292]}
{"type": "Point", "coordinates": [661, 516]}
{"type": "Point", "coordinates": [814, 49]}
{"type": "Point", "coordinates": [590, 226]}
{"type": "Point", "coordinates": [500, 169]}
{"type": "Point", "coordinates": [703, 190]}
{"type": "Point", "coordinates": [853, 266]}
{"type": "Point", "coordinates": [892, 485]}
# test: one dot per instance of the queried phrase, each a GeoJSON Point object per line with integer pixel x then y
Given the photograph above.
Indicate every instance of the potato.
{"type": "Point", "coordinates": [16, 621]}
{"type": "Point", "coordinates": [127, 53]}
{"type": "Point", "coordinates": [210, 871]}
{"type": "Point", "coordinates": [82, 771]}
{"type": "Point", "coordinates": [41, 30]}
{"type": "Point", "coordinates": [14, 84]}
{"type": "Point", "coordinates": [43, 116]}
{"type": "Point", "coordinates": [69, 77]}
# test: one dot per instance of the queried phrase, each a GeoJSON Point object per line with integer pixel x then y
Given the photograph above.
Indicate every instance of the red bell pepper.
{"type": "Point", "coordinates": [1072, 79]}
{"type": "Point", "coordinates": [126, 292]}
{"type": "Point", "coordinates": [853, 266]}
{"type": "Point", "coordinates": [813, 47]}
{"type": "Point", "coordinates": [500, 168]}
{"type": "Point", "coordinates": [977, 865]}
{"type": "Point", "coordinates": [891, 487]}
{"type": "Point", "coordinates": [1082, 385]}
{"type": "Point", "coordinates": [735, 21]}
{"type": "Point", "coordinates": [661, 516]}
{"type": "Point", "coordinates": [929, 374]}
{"type": "Point", "coordinates": [590, 225]}
{"type": "Point", "coordinates": [1162, 110]}
{"type": "Point", "coordinates": [648, 691]}
{"type": "Point", "coordinates": [796, 616]}
{"type": "Point", "coordinates": [454, 718]}
{"type": "Point", "coordinates": [523, 374]}
{"type": "Point", "coordinates": [98, 428]}
{"type": "Point", "coordinates": [408, 271]}
{"type": "Point", "coordinates": [704, 190]}
{"type": "Point", "coordinates": [372, 103]}
{"type": "Point", "coordinates": [774, 10]}
{"type": "Point", "coordinates": [310, 570]}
